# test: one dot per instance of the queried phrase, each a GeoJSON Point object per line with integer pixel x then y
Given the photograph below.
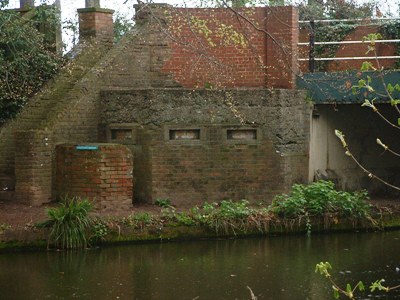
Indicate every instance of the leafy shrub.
{"type": "Point", "coordinates": [69, 223]}
{"type": "Point", "coordinates": [226, 215]}
{"type": "Point", "coordinates": [185, 219]}
{"type": "Point", "coordinates": [163, 202]}
{"type": "Point", "coordinates": [320, 198]}
{"type": "Point", "coordinates": [99, 230]}
{"type": "Point", "coordinates": [138, 220]}
{"type": "Point", "coordinates": [27, 60]}
{"type": "Point", "coordinates": [172, 217]}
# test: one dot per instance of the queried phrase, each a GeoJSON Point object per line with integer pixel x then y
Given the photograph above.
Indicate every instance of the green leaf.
{"type": "Point", "coordinates": [361, 286]}
{"type": "Point", "coordinates": [366, 65]}
{"type": "Point", "coordinates": [335, 293]}
{"type": "Point", "coordinates": [348, 288]}
{"type": "Point", "coordinates": [390, 88]}
{"type": "Point", "coordinates": [362, 83]}
{"type": "Point", "coordinates": [394, 102]}
{"type": "Point", "coordinates": [398, 121]}
{"type": "Point", "coordinates": [377, 285]}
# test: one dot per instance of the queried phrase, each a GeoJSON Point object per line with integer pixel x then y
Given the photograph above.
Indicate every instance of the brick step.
{"type": "Point", "coordinates": [57, 94]}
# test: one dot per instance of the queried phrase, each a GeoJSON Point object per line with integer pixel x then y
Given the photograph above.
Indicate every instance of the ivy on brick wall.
{"type": "Point", "coordinates": [27, 60]}
{"type": "Point", "coordinates": [328, 33]}
{"type": "Point", "coordinates": [391, 30]}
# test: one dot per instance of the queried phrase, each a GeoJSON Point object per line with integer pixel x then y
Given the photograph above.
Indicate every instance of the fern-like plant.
{"type": "Point", "coordinates": [70, 224]}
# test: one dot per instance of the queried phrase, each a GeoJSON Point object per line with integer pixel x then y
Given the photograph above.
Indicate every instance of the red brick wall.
{"type": "Point", "coordinates": [352, 50]}
{"type": "Point", "coordinates": [283, 36]}
{"type": "Point", "coordinates": [103, 175]}
{"type": "Point", "coordinates": [218, 48]}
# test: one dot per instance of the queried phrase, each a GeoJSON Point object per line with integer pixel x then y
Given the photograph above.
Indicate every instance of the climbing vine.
{"type": "Point", "coordinates": [328, 33]}
{"type": "Point", "coordinates": [391, 30]}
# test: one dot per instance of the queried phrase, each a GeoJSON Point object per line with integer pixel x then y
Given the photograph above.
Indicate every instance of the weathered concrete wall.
{"type": "Point", "coordinates": [100, 172]}
{"type": "Point", "coordinates": [361, 127]}
{"type": "Point", "coordinates": [212, 165]}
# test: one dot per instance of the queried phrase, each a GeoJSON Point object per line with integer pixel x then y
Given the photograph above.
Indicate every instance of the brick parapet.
{"type": "Point", "coordinates": [246, 47]}
{"type": "Point", "coordinates": [281, 44]}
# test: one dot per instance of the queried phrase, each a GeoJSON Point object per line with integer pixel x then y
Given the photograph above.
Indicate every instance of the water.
{"type": "Point", "coordinates": [274, 268]}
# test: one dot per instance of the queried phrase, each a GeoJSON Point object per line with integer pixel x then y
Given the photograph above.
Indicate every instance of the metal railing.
{"type": "Point", "coordinates": [312, 43]}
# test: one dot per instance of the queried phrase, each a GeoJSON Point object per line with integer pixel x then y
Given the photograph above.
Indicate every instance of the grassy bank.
{"type": "Point", "coordinates": [310, 209]}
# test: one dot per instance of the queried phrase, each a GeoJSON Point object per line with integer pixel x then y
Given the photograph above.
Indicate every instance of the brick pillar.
{"type": "Point", "coordinates": [96, 22]}
{"type": "Point", "coordinates": [33, 166]}
{"type": "Point", "coordinates": [281, 61]}
{"type": "Point", "coordinates": [102, 173]}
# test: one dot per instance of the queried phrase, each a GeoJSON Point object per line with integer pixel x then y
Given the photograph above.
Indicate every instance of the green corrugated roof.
{"type": "Point", "coordinates": [335, 87]}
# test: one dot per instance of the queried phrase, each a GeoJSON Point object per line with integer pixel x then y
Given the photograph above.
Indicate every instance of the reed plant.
{"type": "Point", "coordinates": [69, 224]}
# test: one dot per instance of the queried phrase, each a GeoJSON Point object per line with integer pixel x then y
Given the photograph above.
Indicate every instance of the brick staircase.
{"type": "Point", "coordinates": [44, 105]}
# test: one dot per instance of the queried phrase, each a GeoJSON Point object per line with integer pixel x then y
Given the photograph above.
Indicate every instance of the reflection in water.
{"type": "Point", "coordinates": [274, 268]}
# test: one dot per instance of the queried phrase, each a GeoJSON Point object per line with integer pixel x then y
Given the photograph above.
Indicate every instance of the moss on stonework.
{"type": "Point", "coordinates": [127, 234]}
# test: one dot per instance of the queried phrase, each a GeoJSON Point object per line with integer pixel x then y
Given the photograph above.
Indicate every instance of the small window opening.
{"type": "Point", "coordinates": [121, 134]}
{"type": "Point", "coordinates": [184, 134]}
{"type": "Point", "coordinates": [241, 134]}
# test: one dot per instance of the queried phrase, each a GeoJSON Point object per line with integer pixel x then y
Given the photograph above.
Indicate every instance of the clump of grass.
{"type": "Point", "coordinates": [69, 224]}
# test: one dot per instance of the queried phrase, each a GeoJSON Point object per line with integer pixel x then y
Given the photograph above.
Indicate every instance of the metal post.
{"type": "Point", "coordinates": [311, 61]}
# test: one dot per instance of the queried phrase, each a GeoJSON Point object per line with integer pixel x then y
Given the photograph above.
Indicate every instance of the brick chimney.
{"type": "Point", "coordinates": [26, 4]}
{"type": "Point", "coordinates": [95, 22]}
{"type": "Point", "coordinates": [146, 13]}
